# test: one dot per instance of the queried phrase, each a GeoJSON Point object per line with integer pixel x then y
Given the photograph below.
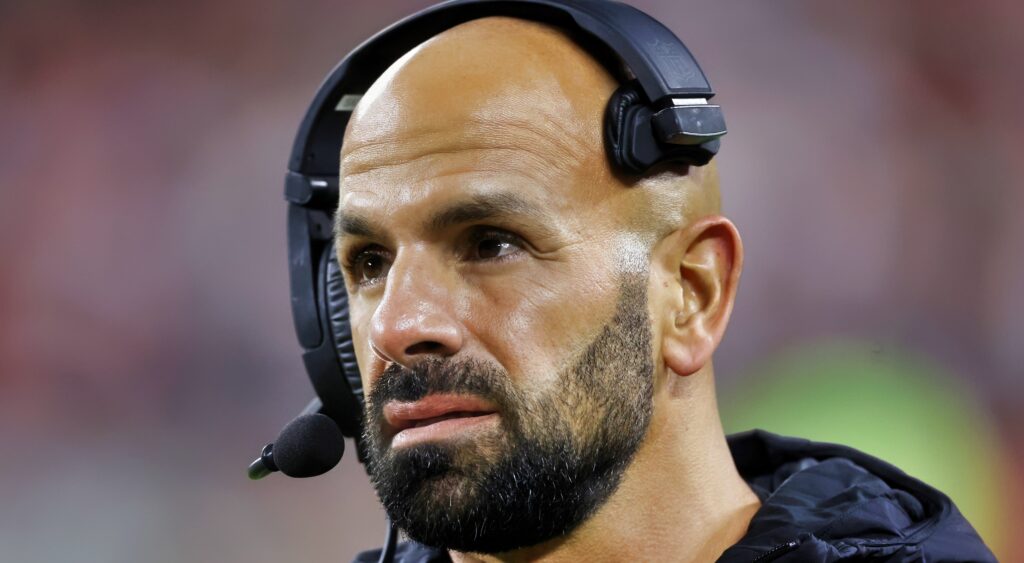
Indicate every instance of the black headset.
{"type": "Point", "coordinates": [660, 113]}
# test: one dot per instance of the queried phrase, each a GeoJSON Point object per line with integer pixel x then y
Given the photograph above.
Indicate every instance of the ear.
{"type": "Point", "coordinates": [703, 263]}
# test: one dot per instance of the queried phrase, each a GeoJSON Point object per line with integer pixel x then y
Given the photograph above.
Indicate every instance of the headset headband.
{"type": "Point", "coordinates": [667, 73]}
{"type": "Point", "coordinates": [661, 114]}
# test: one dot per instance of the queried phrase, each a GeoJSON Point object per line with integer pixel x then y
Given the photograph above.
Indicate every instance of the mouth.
{"type": "Point", "coordinates": [437, 418]}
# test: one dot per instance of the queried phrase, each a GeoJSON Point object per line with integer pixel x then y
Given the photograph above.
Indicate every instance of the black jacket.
{"type": "Point", "coordinates": [824, 502]}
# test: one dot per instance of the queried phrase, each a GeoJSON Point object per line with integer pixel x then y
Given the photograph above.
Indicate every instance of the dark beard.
{"type": "Point", "coordinates": [558, 458]}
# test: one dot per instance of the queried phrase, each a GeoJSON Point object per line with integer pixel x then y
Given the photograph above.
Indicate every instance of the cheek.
{"type": "Point", "coordinates": [535, 325]}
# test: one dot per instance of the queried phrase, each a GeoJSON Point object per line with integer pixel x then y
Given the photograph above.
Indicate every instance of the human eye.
{"type": "Point", "coordinates": [368, 265]}
{"type": "Point", "coordinates": [493, 244]}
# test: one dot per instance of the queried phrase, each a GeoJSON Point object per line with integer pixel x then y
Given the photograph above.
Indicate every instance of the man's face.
{"type": "Point", "coordinates": [498, 304]}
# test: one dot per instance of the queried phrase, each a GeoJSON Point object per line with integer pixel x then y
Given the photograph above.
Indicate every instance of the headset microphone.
{"type": "Point", "coordinates": [308, 446]}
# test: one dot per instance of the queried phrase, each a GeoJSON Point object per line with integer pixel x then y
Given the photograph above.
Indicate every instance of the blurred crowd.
{"type": "Point", "coordinates": [873, 168]}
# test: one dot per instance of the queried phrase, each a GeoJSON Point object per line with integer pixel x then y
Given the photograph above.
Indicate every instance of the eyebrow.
{"type": "Point", "coordinates": [477, 208]}
{"type": "Point", "coordinates": [486, 206]}
{"type": "Point", "coordinates": [354, 225]}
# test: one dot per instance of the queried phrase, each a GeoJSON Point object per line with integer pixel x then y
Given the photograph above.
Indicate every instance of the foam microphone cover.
{"type": "Point", "coordinates": [308, 446]}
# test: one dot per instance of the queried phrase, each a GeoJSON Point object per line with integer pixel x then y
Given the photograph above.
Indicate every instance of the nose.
{"type": "Point", "coordinates": [415, 318]}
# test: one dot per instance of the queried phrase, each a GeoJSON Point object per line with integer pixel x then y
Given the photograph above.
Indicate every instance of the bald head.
{"type": "Point", "coordinates": [507, 94]}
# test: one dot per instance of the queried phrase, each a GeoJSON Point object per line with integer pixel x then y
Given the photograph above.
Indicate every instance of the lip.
{"type": "Point", "coordinates": [437, 417]}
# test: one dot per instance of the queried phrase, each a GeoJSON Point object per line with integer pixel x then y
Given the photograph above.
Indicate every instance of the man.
{"type": "Point", "coordinates": [535, 332]}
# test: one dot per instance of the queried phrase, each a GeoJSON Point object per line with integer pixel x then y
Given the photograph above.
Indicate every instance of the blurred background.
{"type": "Point", "coordinates": [873, 167]}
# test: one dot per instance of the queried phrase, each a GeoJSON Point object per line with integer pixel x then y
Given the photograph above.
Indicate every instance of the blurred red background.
{"type": "Point", "coordinates": [146, 348]}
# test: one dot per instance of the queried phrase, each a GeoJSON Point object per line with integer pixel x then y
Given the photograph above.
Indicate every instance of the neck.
{"type": "Point", "coordinates": [681, 499]}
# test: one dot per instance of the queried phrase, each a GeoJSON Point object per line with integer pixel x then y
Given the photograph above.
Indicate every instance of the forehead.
{"type": "Point", "coordinates": [517, 134]}
{"type": "Point", "coordinates": [409, 191]}
{"type": "Point", "coordinates": [493, 104]}
{"type": "Point", "coordinates": [411, 161]}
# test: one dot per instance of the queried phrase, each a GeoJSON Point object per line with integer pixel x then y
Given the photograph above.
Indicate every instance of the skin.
{"type": "Point", "coordinates": [523, 128]}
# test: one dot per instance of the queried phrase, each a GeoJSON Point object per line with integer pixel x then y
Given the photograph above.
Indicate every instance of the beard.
{"type": "Point", "coordinates": [557, 457]}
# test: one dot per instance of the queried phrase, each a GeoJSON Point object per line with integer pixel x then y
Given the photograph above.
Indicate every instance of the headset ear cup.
{"type": "Point", "coordinates": [631, 141]}
{"type": "Point", "coordinates": [618, 119]}
{"type": "Point", "coordinates": [629, 134]}
{"type": "Point", "coordinates": [336, 301]}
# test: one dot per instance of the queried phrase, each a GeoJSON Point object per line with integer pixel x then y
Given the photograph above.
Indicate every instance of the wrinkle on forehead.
{"type": "Point", "coordinates": [488, 146]}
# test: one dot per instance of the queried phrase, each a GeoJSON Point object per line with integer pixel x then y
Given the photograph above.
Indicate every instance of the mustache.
{"type": "Point", "coordinates": [439, 375]}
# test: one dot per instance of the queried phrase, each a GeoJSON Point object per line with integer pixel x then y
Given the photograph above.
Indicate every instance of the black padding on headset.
{"type": "Point", "coordinates": [336, 303]}
{"type": "Point", "coordinates": [341, 330]}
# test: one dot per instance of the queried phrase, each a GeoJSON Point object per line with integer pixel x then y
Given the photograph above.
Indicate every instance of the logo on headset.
{"type": "Point", "coordinates": [670, 57]}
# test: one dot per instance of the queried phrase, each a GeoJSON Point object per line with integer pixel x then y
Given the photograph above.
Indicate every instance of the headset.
{"type": "Point", "coordinates": [660, 113]}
